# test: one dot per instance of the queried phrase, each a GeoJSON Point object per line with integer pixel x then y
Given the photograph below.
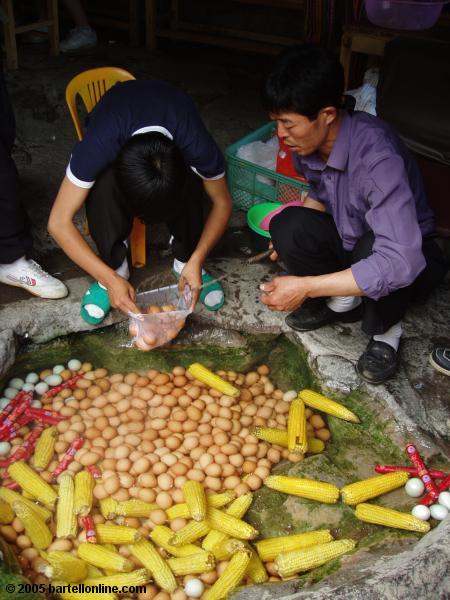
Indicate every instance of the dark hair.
{"type": "Point", "coordinates": [304, 80]}
{"type": "Point", "coordinates": [150, 172]}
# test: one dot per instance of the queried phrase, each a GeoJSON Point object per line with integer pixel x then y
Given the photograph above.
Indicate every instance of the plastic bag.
{"type": "Point", "coordinates": [263, 154]}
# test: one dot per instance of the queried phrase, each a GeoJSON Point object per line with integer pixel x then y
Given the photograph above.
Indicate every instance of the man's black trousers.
{"type": "Point", "coordinates": [110, 218]}
{"type": "Point", "coordinates": [308, 243]}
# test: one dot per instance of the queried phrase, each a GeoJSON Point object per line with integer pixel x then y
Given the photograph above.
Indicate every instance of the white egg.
{"type": "Point", "coordinates": [414, 487]}
{"type": "Point", "coordinates": [10, 392]}
{"type": "Point", "coordinates": [4, 402]}
{"type": "Point", "coordinates": [74, 364]}
{"type": "Point", "coordinates": [32, 378]}
{"type": "Point", "coordinates": [36, 404]}
{"type": "Point", "coordinates": [41, 388]}
{"type": "Point", "coordinates": [17, 383]}
{"type": "Point", "coordinates": [444, 499]}
{"type": "Point", "coordinates": [194, 588]}
{"type": "Point", "coordinates": [28, 387]}
{"type": "Point", "coordinates": [57, 369]}
{"type": "Point", "coordinates": [53, 379]}
{"type": "Point", "coordinates": [438, 512]}
{"type": "Point", "coordinates": [5, 447]}
{"type": "Point", "coordinates": [421, 512]}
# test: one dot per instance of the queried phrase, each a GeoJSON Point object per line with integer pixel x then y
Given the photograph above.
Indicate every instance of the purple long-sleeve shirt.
{"type": "Point", "coordinates": [371, 183]}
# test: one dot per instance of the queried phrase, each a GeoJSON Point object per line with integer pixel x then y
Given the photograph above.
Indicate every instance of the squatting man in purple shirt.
{"type": "Point", "coordinates": [361, 247]}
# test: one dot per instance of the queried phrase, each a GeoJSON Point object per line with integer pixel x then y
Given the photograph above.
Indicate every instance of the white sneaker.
{"type": "Point", "coordinates": [79, 38]}
{"type": "Point", "coordinates": [30, 276]}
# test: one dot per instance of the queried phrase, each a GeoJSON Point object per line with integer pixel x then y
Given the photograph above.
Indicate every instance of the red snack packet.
{"type": "Point", "coordinates": [422, 471]}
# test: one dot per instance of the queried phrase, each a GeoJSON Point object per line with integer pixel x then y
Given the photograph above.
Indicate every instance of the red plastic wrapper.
{"type": "Point", "coordinates": [19, 409]}
{"type": "Point", "coordinates": [47, 416]}
{"type": "Point", "coordinates": [442, 486]}
{"type": "Point", "coordinates": [12, 486]}
{"type": "Point", "coordinates": [411, 470]}
{"type": "Point", "coordinates": [422, 471]}
{"type": "Point", "coordinates": [70, 383]}
{"type": "Point", "coordinates": [94, 471]}
{"type": "Point", "coordinates": [68, 457]}
{"type": "Point", "coordinates": [26, 449]}
{"type": "Point", "coordinates": [11, 406]}
{"type": "Point", "coordinates": [12, 432]}
{"type": "Point", "coordinates": [89, 528]}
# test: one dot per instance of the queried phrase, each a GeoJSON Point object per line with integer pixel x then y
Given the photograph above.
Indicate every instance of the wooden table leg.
{"type": "Point", "coordinates": [53, 28]}
{"type": "Point", "coordinates": [9, 32]}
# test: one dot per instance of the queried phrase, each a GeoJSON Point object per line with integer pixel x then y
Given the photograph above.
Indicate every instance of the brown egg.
{"type": "Point", "coordinates": [153, 309]}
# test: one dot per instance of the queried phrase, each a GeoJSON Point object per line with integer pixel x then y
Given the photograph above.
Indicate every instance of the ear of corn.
{"type": "Point", "coordinates": [134, 508]}
{"type": "Point", "coordinates": [360, 491]}
{"type": "Point", "coordinates": [297, 561]}
{"type": "Point", "coordinates": [45, 448]}
{"type": "Point", "coordinates": [270, 548]}
{"type": "Point", "coordinates": [326, 405]}
{"type": "Point", "coordinates": [109, 508]}
{"type": "Point", "coordinates": [84, 487]}
{"type": "Point", "coordinates": [212, 380]}
{"type": "Point", "coordinates": [191, 532]}
{"type": "Point", "coordinates": [117, 534]}
{"type": "Point", "coordinates": [390, 518]}
{"type": "Point", "coordinates": [32, 483]}
{"type": "Point", "coordinates": [271, 435]}
{"type": "Point", "coordinates": [161, 536]}
{"type": "Point", "coordinates": [194, 496]}
{"type": "Point", "coordinates": [256, 570]}
{"type": "Point", "coordinates": [214, 540]}
{"type": "Point", "coordinates": [35, 527]}
{"type": "Point", "coordinates": [227, 547]}
{"type": "Point", "coordinates": [230, 525]}
{"type": "Point", "coordinates": [215, 500]}
{"type": "Point", "coordinates": [230, 578]}
{"type": "Point", "coordinates": [137, 577]}
{"type": "Point", "coordinates": [65, 566]}
{"type": "Point", "coordinates": [6, 513]}
{"type": "Point", "coordinates": [10, 496]}
{"type": "Point", "coordinates": [305, 488]}
{"type": "Point", "coordinates": [66, 521]}
{"type": "Point", "coordinates": [103, 558]}
{"type": "Point", "coordinates": [147, 554]}
{"type": "Point", "coordinates": [202, 562]}
{"type": "Point", "coordinates": [297, 441]}
{"type": "Point", "coordinates": [315, 445]}
{"type": "Point", "coordinates": [93, 572]}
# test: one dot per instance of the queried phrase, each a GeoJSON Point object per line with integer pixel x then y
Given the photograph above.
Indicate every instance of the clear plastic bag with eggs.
{"type": "Point", "coordinates": [163, 315]}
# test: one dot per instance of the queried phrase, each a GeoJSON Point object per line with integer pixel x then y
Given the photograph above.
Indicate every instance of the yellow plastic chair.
{"type": "Point", "coordinates": [91, 85]}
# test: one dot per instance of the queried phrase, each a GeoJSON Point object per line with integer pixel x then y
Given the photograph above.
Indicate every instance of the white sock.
{"type": "Point", "coordinates": [391, 336]}
{"type": "Point", "coordinates": [342, 304]}
{"type": "Point", "coordinates": [178, 266]}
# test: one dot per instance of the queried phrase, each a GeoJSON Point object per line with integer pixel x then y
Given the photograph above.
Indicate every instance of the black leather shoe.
{"type": "Point", "coordinates": [314, 315]}
{"type": "Point", "coordinates": [378, 363]}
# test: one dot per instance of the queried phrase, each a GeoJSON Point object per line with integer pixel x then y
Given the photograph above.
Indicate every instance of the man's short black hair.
{"type": "Point", "coordinates": [304, 80]}
{"type": "Point", "coordinates": [151, 173]}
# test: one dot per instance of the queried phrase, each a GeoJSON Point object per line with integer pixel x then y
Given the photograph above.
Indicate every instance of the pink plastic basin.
{"type": "Point", "coordinates": [403, 14]}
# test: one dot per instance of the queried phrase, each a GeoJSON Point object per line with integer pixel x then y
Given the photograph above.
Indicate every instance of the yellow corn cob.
{"type": "Point", "coordinates": [84, 487]}
{"type": "Point", "coordinates": [66, 520]}
{"type": "Point", "coordinates": [6, 513]}
{"type": "Point", "coordinates": [230, 578]}
{"type": "Point", "coordinates": [62, 588]}
{"type": "Point", "coordinates": [315, 445]}
{"type": "Point", "coordinates": [297, 441]}
{"type": "Point", "coordinates": [270, 548]}
{"type": "Point", "coordinates": [93, 572]}
{"type": "Point", "coordinates": [215, 500]}
{"type": "Point", "coordinates": [116, 551]}
{"type": "Point", "coordinates": [45, 448]}
{"type": "Point", "coordinates": [191, 532]}
{"type": "Point", "coordinates": [305, 488]}
{"type": "Point", "coordinates": [10, 496]}
{"type": "Point", "coordinates": [228, 547]}
{"type": "Point", "coordinates": [65, 566]}
{"type": "Point", "coordinates": [360, 491]}
{"type": "Point", "coordinates": [390, 518]}
{"type": "Point", "coordinates": [296, 561]}
{"type": "Point", "coordinates": [212, 380]}
{"type": "Point", "coordinates": [326, 405]}
{"type": "Point", "coordinates": [134, 508]}
{"type": "Point", "coordinates": [137, 577]}
{"type": "Point", "coordinates": [280, 438]}
{"type": "Point", "coordinates": [35, 527]}
{"type": "Point", "coordinates": [147, 554]}
{"type": "Point", "coordinates": [108, 508]}
{"type": "Point", "coordinates": [230, 525]}
{"type": "Point", "coordinates": [256, 570]}
{"type": "Point", "coordinates": [32, 483]}
{"type": "Point", "coordinates": [194, 496]}
{"type": "Point", "coordinates": [202, 562]}
{"type": "Point", "coordinates": [161, 536]}
{"type": "Point", "coordinates": [215, 539]}
{"type": "Point", "coordinates": [117, 534]}
{"type": "Point", "coordinates": [103, 558]}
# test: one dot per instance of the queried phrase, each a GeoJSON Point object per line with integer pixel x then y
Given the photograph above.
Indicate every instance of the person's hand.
{"type": "Point", "coordinates": [122, 295]}
{"type": "Point", "coordinates": [191, 275]}
{"type": "Point", "coordinates": [274, 255]}
{"type": "Point", "coordinates": [284, 293]}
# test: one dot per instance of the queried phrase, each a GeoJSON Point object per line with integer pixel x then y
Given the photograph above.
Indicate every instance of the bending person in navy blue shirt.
{"type": "Point", "coordinates": [146, 153]}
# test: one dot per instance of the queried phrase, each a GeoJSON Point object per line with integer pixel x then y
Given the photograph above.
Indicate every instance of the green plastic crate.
{"type": "Point", "coordinates": [242, 175]}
